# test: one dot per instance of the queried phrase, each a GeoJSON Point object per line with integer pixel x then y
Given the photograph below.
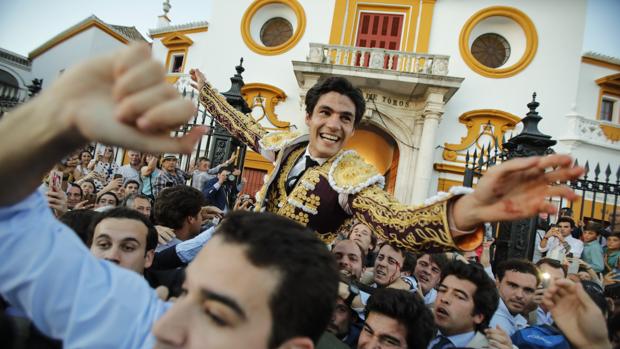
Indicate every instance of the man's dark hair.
{"type": "Point", "coordinates": [409, 310]}
{"type": "Point", "coordinates": [203, 158]}
{"type": "Point", "coordinates": [131, 181]}
{"type": "Point", "coordinates": [566, 211]}
{"type": "Point", "coordinates": [409, 263]}
{"type": "Point", "coordinates": [122, 212]}
{"type": "Point", "coordinates": [486, 297]}
{"type": "Point", "coordinates": [108, 193]}
{"type": "Point", "coordinates": [175, 204]}
{"type": "Point", "coordinates": [516, 265]}
{"type": "Point", "coordinates": [553, 263]}
{"type": "Point", "coordinates": [566, 220]}
{"type": "Point", "coordinates": [75, 186]}
{"type": "Point", "coordinates": [339, 85]}
{"type": "Point", "coordinates": [222, 169]}
{"type": "Point", "coordinates": [440, 259]}
{"type": "Point", "coordinates": [305, 297]}
{"type": "Point", "coordinates": [400, 250]}
{"type": "Point", "coordinates": [597, 294]}
{"type": "Point", "coordinates": [79, 221]}
{"type": "Point", "coordinates": [595, 227]}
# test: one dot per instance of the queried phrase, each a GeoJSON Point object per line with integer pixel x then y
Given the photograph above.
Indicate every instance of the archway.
{"type": "Point", "coordinates": [379, 149]}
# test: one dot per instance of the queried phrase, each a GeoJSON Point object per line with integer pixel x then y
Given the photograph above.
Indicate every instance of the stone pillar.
{"type": "Point", "coordinates": [424, 162]}
{"type": "Point", "coordinates": [416, 138]}
{"type": "Point", "coordinates": [309, 80]}
{"type": "Point", "coordinates": [404, 185]}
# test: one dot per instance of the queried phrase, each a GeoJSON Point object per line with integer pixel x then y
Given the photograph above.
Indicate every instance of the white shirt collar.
{"type": "Point", "coordinates": [321, 161]}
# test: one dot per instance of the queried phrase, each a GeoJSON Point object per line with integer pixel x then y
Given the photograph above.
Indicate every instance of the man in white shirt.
{"type": "Point", "coordinates": [516, 281]}
{"type": "Point", "coordinates": [131, 171]}
{"type": "Point", "coordinates": [559, 243]}
{"type": "Point", "coordinates": [428, 272]}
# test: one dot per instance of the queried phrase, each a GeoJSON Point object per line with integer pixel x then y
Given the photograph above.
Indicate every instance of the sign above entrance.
{"type": "Point", "coordinates": [389, 100]}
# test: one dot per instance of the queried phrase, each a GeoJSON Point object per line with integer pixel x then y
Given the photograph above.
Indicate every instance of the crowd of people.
{"type": "Point", "coordinates": [99, 255]}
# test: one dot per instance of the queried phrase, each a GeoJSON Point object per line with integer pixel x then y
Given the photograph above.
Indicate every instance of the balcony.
{"type": "Point", "coordinates": [595, 132]}
{"type": "Point", "coordinates": [397, 72]}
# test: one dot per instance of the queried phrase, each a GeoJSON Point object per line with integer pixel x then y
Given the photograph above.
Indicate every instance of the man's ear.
{"type": "Point", "coordinates": [478, 318]}
{"type": "Point", "coordinates": [148, 258]}
{"type": "Point", "coordinates": [297, 343]}
{"type": "Point", "coordinates": [307, 119]}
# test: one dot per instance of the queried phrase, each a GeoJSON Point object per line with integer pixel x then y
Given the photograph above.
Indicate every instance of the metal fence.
{"type": "Point", "coordinates": [10, 97]}
{"type": "Point", "coordinates": [598, 189]}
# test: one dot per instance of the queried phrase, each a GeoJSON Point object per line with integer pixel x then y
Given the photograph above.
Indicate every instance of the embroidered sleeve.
{"type": "Point", "coordinates": [350, 173]}
{"type": "Point", "coordinates": [277, 140]}
{"type": "Point", "coordinates": [240, 126]}
{"type": "Point", "coordinates": [416, 228]}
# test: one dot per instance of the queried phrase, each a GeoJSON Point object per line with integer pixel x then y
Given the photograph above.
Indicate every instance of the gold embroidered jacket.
{"type": "Point", "coordinates": [327, 197]}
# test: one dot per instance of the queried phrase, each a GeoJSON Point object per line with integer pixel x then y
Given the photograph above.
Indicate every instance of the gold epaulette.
{"type": "Point", "coordinates": [350, 173]}
{"type": "Point", "coordinates": [276, 140]}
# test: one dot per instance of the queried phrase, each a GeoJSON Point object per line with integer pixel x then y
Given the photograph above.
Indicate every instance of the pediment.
{"type": "Point", "coordinates": [176, 39]}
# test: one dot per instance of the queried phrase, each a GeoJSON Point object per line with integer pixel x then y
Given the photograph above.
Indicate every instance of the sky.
{"type": "Point", "coordinates": [26, 24]}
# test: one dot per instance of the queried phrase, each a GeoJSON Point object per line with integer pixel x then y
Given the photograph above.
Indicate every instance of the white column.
{"type": "Point", "coordinates": [417, 135]}
{"type": "Point", "coordinates": [424, 162]}
{"type": "Point", "coordinates": [404, 185]}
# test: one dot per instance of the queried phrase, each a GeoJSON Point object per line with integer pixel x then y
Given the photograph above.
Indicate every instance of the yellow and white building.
{"type": "Point", "coordinates": [436, 75]}
{"type": "Point", "coordinates": [441, 77]}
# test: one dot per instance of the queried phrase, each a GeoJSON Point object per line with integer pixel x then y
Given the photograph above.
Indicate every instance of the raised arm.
{"type": "Point", "coordinates": [119, 99]}
{"type": "Point", "coordinates": [241, 126]}
{"type": "Point", "coordinates": [517, 189]}
{"type": "Point", "coordinates": [150, 166]}
{"type": "Point", "coordinates": [421, 228]}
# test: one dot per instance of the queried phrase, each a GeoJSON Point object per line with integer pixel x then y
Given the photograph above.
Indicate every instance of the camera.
{"type": "Point", "coordinates": [231, 178]}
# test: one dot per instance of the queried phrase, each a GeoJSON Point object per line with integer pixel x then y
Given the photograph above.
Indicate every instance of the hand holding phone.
{"type": "Point", "coordinates": [55, 180]}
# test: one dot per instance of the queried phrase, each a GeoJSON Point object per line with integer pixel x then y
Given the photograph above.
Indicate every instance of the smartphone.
{"type": "Point", "coordinates": [91, 199]}
{"type": "Point", "coordinates": [546, 279]}
{"type": "Point", "coordinates": [55, 180]}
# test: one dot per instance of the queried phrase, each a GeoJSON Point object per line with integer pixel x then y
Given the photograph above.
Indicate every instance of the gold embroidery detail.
{"type": "Point", "coordinates": [327, 238]}
{"type": "Point", "coordinates": [351, 173]}
{"type": "Point", "coordinates": [277, 140]}
{"type": "Point", "coordinates": [240, 125]}
{"type": "Point", "coordinates": [393, 221]}
{"type": "Point", "coordinates": [269, 200]}
{"type": "Point", "coordinates": [289, 211]}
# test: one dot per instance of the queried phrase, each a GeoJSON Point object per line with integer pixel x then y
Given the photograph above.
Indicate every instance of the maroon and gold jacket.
{"type": "Point", "coordinates": [328, 197]}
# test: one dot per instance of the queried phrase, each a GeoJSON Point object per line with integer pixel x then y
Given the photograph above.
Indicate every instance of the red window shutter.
{"type": "Point", "coordinates": [379, 30]}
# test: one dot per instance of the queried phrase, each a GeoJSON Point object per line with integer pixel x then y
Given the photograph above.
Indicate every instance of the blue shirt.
{"type": "Point", "coordinates": [508, 322]}
{"type": "Point", "coordinates": [543, 317]}
{"type": "Point", "coordinates": [593, 255]}
{"type": "Point", "coordinates": [47, 272]}
{"type": "Point", "coordinates": [187, 250]}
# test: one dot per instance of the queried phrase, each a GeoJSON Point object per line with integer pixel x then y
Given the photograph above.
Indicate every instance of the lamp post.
{"type": "Point", "coordinates": [223, 144]}
{"type": "Point", "coordinates": [516, 239]}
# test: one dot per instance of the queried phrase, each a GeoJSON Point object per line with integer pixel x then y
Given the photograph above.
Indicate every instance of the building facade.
{"type": "Point", "coordinates": [441, 78]}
